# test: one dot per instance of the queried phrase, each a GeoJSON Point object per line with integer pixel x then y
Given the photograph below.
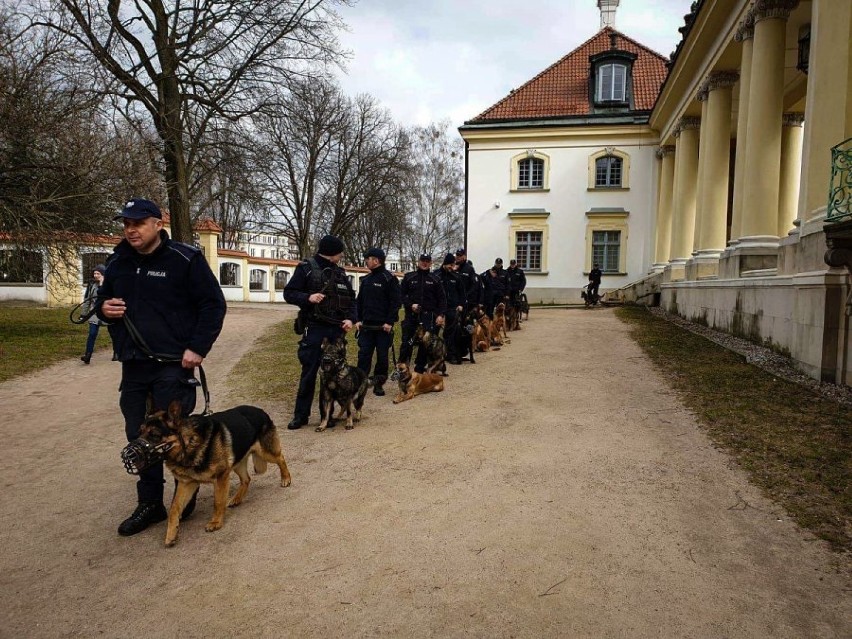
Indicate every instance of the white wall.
{"type": "Point", "coordinates": [567, 200]}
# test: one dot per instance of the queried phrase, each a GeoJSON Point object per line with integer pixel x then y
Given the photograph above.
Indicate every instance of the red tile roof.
{"type": "Point", "coordinates": [563, 89]}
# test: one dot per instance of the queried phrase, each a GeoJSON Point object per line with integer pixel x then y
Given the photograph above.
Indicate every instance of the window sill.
{"type": "Point", "coordinates": [608, 188]}
{"type": "Point", "coordinates": [608, 273]}
{"type": "Point", "coordinates": [521, 189]}
{"type": "Point", "coordinates": [533, 273]}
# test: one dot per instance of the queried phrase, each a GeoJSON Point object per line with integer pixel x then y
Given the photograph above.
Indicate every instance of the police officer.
{"type": "Point", "coordinates": [425, 303]}
{"type": "Point", "coordinates": [378, 302]}
{"type": "Point", "coordinates": [321, 290]}
{"type": "Point", "coordinates": [594, 282]}
{"type": "Point", "coordinates": [159, 297]}
{"type": "Point", "coordinates": [496, 286]}
{"type": "Point", "coordinates": [467, 274]}
{"type": "Point", "coordinates": [455, 292]}
{"type": "Point", "coordinates": [517, 281]}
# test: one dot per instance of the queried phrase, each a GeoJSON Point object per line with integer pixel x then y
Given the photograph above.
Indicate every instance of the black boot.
{"type": "Point", "coordinates": [378, 382]}
{"type": "Point", "coordinates": [86, 358]}
{"type": "Point", "coordinates": [146, 513]}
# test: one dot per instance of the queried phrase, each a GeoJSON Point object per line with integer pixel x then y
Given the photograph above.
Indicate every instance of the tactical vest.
{"type": "Point", "coordinates": [337, 304]}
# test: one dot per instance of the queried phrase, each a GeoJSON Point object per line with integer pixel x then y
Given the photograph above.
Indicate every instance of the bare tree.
{"type": "Point", "coordinates": [62, 162]}
{"type": "Point", "coordinates": [187, 64]}
{"type": "Point", "coordinates": [295, 141]}
{"type": "Point", "coordinates": [368, 164]}
{"type": "Point", "coordinates": [434, 194]}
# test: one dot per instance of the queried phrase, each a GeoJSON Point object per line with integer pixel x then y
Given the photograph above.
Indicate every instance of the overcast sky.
{"type": "Point", "coordinates": [427, 60]}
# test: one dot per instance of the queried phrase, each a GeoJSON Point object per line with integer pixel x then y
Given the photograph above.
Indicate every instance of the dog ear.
{"type": "Point", "coordinates": [175, 410]}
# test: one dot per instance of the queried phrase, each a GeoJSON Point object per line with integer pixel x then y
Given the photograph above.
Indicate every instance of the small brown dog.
{"type": "Point", "coordinates": [481, 340]}
{"type": "Point", "coordinates": [412, 384]}
{"type": "Point", "coordinates": [498, 326]}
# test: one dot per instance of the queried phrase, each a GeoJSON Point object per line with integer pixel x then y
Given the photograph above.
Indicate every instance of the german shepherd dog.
{"type": "Point", "coordinates": [341, 383]}
{"type": "Point", "coordinates": [436, 350]}
{"type": "Point", "coordinates": [481, 340]}
{"type": "Point", "coordinates": [498, 326]}
{"type": "Point", "coordinates": [464, 335]}
{"type": "Point", "coordinates": [412, 384]}
{"type": "Point", "coordinates": [513, 314]}
{"type": "Point", "coordinates": [204, 449]}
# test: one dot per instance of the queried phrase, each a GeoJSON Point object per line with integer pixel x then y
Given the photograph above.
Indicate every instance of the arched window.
{"type": "Point", "coordinates": [257, 280]}
{"type": "Point", "coordinates": [281, 279]}
{"type": "Point", "coordinates": [229, 274]}
{"type": "Point", "coordinates": [531, 173]}
{"type": "Point", "coordinates": [608, 171]}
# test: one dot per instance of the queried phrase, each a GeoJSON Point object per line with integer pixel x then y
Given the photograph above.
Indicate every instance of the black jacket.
{"type": "Point", "coordinates": [423, 288]}
{"type": "Point", "coordinates": [472, 285]}
{"type": "Point", "coordinates": [379, 298]}
{"type": "Point", "coordinates": [339, 304]}
{"type": "Point", "coordinates": [595, 276]}
{"type": "Point", "coordinates": [453, 288]}
{"type": "Point", "coordinates": [496, 284]}
{"type": "Point", "coordinates": [172, 298]}
{"type": "Point", "coordinates": [517, 279]}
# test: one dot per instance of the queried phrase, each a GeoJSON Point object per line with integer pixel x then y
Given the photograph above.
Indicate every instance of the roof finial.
{"type": "Point", "coordinates": [608, 8]}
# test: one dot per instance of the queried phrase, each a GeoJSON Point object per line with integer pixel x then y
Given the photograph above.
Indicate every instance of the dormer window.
{"type": "Point", "coordinates": [612, 83]}
{"type": "Point", "coordinates": [610, 80]}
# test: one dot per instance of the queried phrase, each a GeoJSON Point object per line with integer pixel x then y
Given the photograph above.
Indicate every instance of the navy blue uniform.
{"type": "Point", "coordinates": [472, 285]}
{"type": "Point", "coordinates": [175, 302]}
{"type": "Point", "coordinates": [496, 287]}
{"type": "Point", "coordinates": [379, 299]}
{"type": "Point", "coordinates": [324, 320]}
{"type": "Point", "coordinates": [517, 280]}
{"type": "Point", "coordinates": [454, 289]}
{"type": "Point", "coordinates": [420, 287]}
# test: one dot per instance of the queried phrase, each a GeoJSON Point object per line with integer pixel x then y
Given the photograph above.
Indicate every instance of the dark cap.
{"type": "Point", "coordinates": [138, 209]}
{"type": "Point", "coordinates": [513, 261]}
{"type": "Point", "coordinates": [375, 252]}
{"type": "Point", "coordinates": [100, 268]}
{"type": "Point", "coordinates": [461, 251]}
{"type": "Point", "coordinates": [330, 245]}
{"type": "Point", "coordinates": [425, 257]}
{"type": "Point", "coordinates": [499, 260]}
{"type": "Point", "coordinates": [449, 258]}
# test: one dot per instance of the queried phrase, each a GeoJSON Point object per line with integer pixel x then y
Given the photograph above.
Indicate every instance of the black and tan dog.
{"type": "Point", "coordinates": [204, 449]}
{"type": "Point", "coordinates": [412, 384]}
{"type": "Point", "coordinates": [341, 383]}
{"type": "Point", "coordinates": [498, 326]}
{"type": "Point", "coordinates": [481, 338]}
{"type": "Point", "coordinates": [436, 350]}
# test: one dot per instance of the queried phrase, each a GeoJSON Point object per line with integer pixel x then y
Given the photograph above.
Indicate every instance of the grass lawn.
{"type": "Point", "coordinates": [270, 372]}
{"type": "Point", "coordinates": [33, 337]}
{"type": "Point", "coordinates": [795, 445]}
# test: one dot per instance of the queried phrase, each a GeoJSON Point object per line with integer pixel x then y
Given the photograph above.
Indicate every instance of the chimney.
{"type": "Point", "coordinates": [608, 8]}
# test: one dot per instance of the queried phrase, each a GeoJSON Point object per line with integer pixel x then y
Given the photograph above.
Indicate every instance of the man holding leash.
{"type": "Point", "coordinates": [321, 290]}
{"type": "Point", "coordinates": [470, 279]}
{"type": "Point", "coordinates": [425, 303]}
{"type": "Point", "coordinates": [454, 289]}
{"type": "Point", "coordinates": [517, 281]}
{"type": "Point", "coordinates": [378, 302]}
{"type": "Point", "coordinates": [165, 310]}
{"type": "Point", "coordinates": [594, 282]}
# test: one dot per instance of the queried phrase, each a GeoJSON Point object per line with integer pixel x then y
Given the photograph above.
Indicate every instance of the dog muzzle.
{"type": "Point", "coordinates": [469, 329]}
{"type": "Point", "coordinates": [394, 376]}
{"type": "Point", "coordinates": [141, 454]}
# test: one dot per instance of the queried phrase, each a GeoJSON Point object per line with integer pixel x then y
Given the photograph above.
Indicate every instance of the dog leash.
{"type": "Point", "coordinates": [140, 342]}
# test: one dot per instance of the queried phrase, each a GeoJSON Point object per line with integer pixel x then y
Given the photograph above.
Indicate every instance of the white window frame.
{"type": "Point", "coordinates": [612, 88]}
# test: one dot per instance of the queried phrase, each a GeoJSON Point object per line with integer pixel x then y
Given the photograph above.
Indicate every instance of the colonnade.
{"type": "Point", "coordinates": [699, 222]}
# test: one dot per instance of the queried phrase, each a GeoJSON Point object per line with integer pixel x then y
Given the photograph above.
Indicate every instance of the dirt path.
{"type": "Point", "coordinates": [555, 489]}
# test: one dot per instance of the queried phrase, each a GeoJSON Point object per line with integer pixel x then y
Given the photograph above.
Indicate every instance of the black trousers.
{"type": "Point", "coordinates": [409, 327]}
{"type": "Point", "coordinates": [164, 382]}
{"type": "Point", "coordinates": [593, 287]}
{"type": "Point", "coordinates": [310, 354]}
{"type": "Point", "coordinates": [378, 341]}
{"type": "Point", "coordinates": [451, 334]}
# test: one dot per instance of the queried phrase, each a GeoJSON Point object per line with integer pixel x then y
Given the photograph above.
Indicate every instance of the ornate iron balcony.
{"type": "Point", "coordinates": [840, 190]}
